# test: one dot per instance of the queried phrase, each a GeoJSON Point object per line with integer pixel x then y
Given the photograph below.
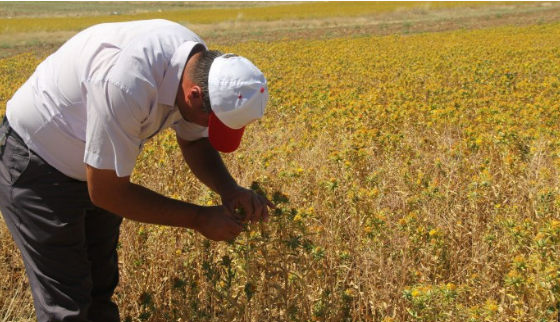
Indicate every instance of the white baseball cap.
{"type": "Point", "coordinates": [238, 96]}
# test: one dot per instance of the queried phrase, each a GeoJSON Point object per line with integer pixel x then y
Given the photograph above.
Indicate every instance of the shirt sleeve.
{"type": "Point", "coordinates": [114, 121]}
{"type": "Point", "coordinates": [190, 131]}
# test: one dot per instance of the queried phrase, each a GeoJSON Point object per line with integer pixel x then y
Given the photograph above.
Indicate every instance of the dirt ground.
{"type": "Point", "coordinates": [400, 22]}
{"type": "Point", "coordinates": [403, 23]}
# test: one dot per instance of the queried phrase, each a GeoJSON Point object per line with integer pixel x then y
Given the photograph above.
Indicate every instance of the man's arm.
{"type": "Point", "coordinates": [126, 199]}
{"type": "Point", "coordinates": [208, 166]}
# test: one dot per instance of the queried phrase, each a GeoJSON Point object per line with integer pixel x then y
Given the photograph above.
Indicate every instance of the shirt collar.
{"type": "Point", "coordinates": [167, 91]}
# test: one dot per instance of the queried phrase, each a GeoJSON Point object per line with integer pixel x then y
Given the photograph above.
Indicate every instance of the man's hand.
{"type": "Point", "coordinates": [244, 202]}
{"type": "Point", "coordinates": [214, 223]}
{"type": "Point", "coordinates": [208, 166]}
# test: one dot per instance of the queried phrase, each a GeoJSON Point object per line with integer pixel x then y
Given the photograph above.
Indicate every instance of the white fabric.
{"type": "Point", "coordinates": [103, 94]}
{"type": "Point", "coordinates": [237, 89]}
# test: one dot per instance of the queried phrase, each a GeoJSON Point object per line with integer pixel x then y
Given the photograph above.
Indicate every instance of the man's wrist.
{"type": "Point", "coordinates": [224, 189]}
{"type": "Point", "coordinates": [199, 218]}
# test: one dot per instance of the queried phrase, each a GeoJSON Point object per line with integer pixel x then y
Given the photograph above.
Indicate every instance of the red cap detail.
{"type": "Point", "coordinates": [262, 89]}
{"type": "Point", "coordinates": [222, 137]}
{"type": "Point", "coordinates": [240, 96]}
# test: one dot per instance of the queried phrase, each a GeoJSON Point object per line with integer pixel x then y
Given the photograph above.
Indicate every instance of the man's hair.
{"type": "Point", "coordinates": [200, 74]}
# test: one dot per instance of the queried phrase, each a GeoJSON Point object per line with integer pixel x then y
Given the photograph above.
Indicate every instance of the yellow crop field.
{"type": "Point", "coordinates": [416, 178]}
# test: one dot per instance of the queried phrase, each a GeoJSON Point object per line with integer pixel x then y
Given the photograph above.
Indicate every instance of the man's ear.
{"type": "Point", "coordinates": [195, 93]}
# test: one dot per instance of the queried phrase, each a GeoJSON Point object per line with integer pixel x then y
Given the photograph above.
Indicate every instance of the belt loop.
{"type": "Point", "coordinates": [4, 135]}
{"type": "Point", "coordinates": [6, 123]}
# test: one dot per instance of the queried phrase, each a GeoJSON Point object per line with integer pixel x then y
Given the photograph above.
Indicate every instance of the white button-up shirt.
{"type": "Point", "coordinates": [103, 94]}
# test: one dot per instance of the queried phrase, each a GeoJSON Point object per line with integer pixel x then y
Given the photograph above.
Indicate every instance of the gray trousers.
{"type": "Point", "coordinates": [68, 245]}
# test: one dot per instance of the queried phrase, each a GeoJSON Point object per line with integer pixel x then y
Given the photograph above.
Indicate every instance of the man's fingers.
{"type": "Point", "coordinates": [259, 208]}
{"type": "Point", "coordinates": [267, 204]}
{"type": "Point", "coordinates": [265, 214]}
{"type": "Point", "coordinates": [235, 231]}
{"type": "Point", "coordinates": [270, 204]}
{"type": "Point", "coordinates": [250, 207]}
{"type": "Point", "coordinates": [233, 213]}
{"type": "Point", "coordinates": [249, 210]}
{"type": "Point", "coordinates": [244, 210]}
{"type": "Point", "coordinates": [236, 224]}
{"type": "Point", "coordinates": [235, 228]}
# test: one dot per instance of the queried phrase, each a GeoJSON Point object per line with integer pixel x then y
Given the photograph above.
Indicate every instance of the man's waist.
{"type": "Point", "coordinates": [10, 132]}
